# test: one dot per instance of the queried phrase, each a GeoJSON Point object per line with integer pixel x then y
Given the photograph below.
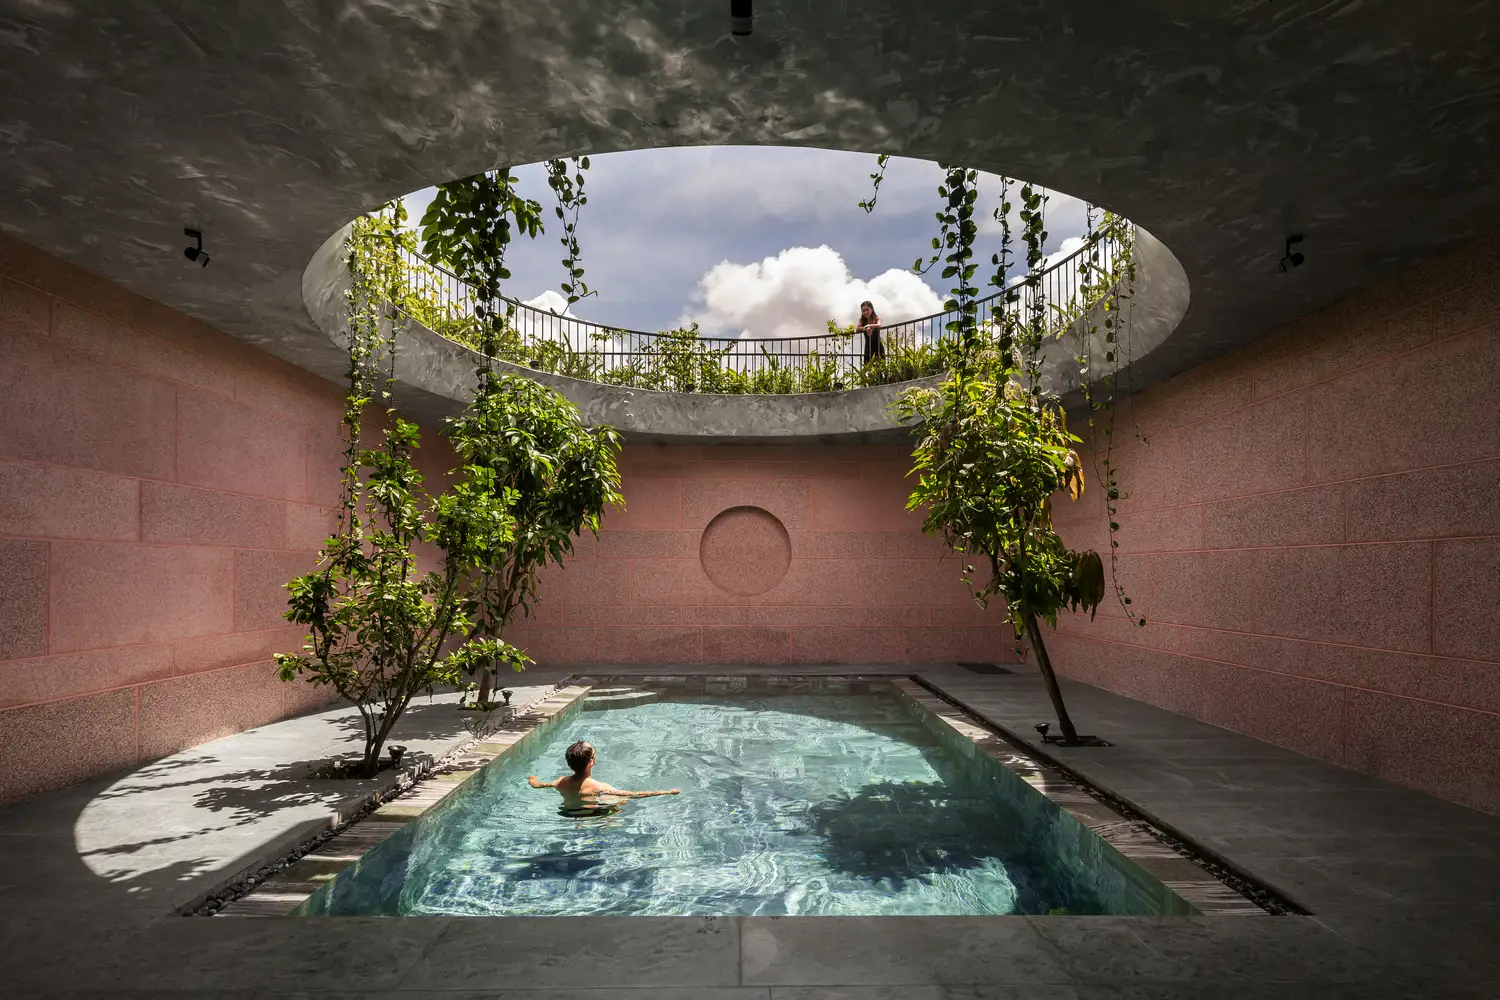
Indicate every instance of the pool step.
{"type": "Point", "coordinates": [600, 698]}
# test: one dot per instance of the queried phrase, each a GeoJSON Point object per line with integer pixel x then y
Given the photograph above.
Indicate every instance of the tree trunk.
{"type": "Point", "coordinates": [1034, 633]}
{"type": "Point", "coordinates": [376, 743]}
{"type": "Point", "coordinates": [484, 686]}
{"type": "Point", "coordinates": [372, 756]}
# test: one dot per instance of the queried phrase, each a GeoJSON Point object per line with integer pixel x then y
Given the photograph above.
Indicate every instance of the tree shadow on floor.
{"type": "Point", "coordinates": [422, 720]}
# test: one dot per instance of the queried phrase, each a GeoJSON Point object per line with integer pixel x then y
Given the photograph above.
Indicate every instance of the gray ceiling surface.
{"type": "Point", "coordinates": [1221, 126]}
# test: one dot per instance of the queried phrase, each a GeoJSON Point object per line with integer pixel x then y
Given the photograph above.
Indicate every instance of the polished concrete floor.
{"type": "Point", "coordinates": [1403, 891]}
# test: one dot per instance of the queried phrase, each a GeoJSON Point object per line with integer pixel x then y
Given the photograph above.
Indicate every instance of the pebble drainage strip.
{"type": "Point", "coordinates": [1200, 879]}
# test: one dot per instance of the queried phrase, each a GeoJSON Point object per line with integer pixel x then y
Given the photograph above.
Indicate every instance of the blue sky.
{"type": "Point", "coordinates": [758, 240]}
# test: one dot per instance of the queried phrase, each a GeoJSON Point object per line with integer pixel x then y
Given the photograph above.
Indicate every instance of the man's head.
{"type": "Point", "coordinates": [579, 756]}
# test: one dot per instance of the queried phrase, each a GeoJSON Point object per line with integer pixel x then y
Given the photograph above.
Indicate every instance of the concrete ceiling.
{"type": "Point", "coordinates": [1221, 126]}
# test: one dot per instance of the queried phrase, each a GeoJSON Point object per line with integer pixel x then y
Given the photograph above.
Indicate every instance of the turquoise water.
{"type": "Point", "coordinates": [791, 804]}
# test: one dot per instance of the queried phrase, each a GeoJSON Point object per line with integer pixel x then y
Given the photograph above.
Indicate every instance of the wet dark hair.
{"type": "Point", "coordinates": [578, 756]}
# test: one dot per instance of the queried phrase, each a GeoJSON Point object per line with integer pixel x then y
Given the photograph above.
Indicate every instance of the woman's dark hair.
{"type": "Point", "coordinates": [873, 313]}
{"type": "Point", "coordinates": [578, 756]}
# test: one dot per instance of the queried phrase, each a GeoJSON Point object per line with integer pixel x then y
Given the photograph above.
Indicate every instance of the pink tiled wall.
{"type": "Point", "coordinates": [159, 482]}
{"type": "Point", "coordinates": [1313, 531]}
{"type": "Point", "coordinates": [863, 584]}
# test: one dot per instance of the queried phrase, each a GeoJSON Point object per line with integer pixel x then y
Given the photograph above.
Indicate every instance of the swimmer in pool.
{"type": "Point", "coordinates": [582, 793]}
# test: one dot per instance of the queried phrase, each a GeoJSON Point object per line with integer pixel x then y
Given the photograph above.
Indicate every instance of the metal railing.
{"type": "Point", "coordinates": [571, 346]}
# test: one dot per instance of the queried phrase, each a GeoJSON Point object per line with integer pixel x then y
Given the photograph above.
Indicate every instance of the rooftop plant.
{"type": "Point", "coordinates": [471, 221]}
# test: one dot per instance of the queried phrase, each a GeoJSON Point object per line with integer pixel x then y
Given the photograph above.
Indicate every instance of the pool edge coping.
{"type": "Point", "coordinates": [1137, 840]}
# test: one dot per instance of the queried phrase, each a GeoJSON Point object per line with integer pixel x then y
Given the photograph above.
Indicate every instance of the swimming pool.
{"type": "Point", "coordinates": [839, 799]}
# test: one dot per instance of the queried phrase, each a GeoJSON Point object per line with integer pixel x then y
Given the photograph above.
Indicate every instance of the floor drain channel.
{"type": "Point", "coordinates": [986, 668]}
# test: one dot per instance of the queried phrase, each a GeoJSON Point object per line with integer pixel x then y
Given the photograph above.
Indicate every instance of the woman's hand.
{"type": "Point", "coordinates": [534, 782]}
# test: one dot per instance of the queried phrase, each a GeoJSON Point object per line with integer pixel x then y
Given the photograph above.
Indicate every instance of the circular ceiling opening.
{"type": "Point", "coordinates": [738, 270]}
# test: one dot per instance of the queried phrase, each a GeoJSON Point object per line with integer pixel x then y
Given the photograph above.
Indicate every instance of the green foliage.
{"type": "Point", "coordinates": [472, 220]}
{"type": "Point", "coordinates": [988, 465]}
{"type": "Point", "coordinates": [875, 179]}
{"type": "Point", "coordinates": [903, 364]}
{"type": "Point", "coordinates": [567, 185]}
{"type": "Point", "coordinates": [990, 459]}
{"type": "Point", "coordinates": [680, 361]}
{"type": "Point", "coordinates": [467, 226]}
{"type": "Point", "coordinates": [379, 631]}
{"type": "Point", "coordinates": [559, 474]}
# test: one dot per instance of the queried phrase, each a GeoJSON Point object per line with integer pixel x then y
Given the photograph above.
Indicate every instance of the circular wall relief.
{"type": "Point", "coordinates": [745, 551]}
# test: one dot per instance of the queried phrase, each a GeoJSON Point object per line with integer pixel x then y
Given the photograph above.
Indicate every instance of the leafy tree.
{"type": "Point", "coordinates": [380, 632]}
{"type": "Point", "coordinates": [559, 473]}
{"type": "Point", "coordinates": [559, 476]}
{"type": "Point", "coordinates": [988, 463]}
{"type": "Point", "coordinates": [995, 446]}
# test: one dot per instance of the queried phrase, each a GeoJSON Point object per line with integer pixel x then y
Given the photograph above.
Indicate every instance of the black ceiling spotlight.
{"type": "Point", "coordinates": [195, 253]}
{"type": "Point", "coordinates": [741, 15]}
{"type": "Point", "coordinates": [1291, 260]}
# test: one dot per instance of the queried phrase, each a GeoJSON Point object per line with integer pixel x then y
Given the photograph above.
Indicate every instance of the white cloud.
{"type": "Point", "coordinates": [796, 292]}
{"type": "Point", "coordinates": [552, 302]}
{"type": "Point", "coordinates": [553, 319]}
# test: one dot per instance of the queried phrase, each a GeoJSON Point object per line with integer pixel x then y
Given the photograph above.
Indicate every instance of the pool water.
{"type": "Point", "coordinates": [797, 803]}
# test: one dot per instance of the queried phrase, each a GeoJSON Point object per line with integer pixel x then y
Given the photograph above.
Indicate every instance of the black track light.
{"type": "Point", "coordinates": [741, 16]}
{"type": "Point", "coordinates": [1290, 260]}
{"type": "Point", "coordinates": [196, 253]}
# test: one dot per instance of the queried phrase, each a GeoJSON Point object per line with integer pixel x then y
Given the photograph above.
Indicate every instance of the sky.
{"type": "Point", "coordinates": [759, 241]}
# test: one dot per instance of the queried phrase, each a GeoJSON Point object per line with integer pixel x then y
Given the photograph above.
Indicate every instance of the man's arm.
{"type": "Point", "coordinates": [536, 782]}
{"type": "Point", "coordinates": [640, 795]}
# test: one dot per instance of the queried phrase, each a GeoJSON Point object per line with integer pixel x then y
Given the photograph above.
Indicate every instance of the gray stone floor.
{"type": "Point", "coordinates": [153, 839]}
{"type": "Point", "coordinates": [1404, 892]}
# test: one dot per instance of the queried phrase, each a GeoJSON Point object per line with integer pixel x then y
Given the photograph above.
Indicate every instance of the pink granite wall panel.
{"type": "Point", "coordinates": [159, 482]}
{"type": "Point", "coordinates": [762, 554]}
{"type": "Point", "coordinates": [1318, 516]}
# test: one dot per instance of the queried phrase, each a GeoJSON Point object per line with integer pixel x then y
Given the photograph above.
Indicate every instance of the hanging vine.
{"type": "Point", "coordinates": [565, 177]}
{"type": "Point", "coordinates": [468, 226]}
{"type": "Point", "coordinates": [1034, 330]}
{"type": "Point", "coordinates": [1001, 320]}
{"type": "Point", "coordinates": [1115, 305]}
{"type": "Point", "coordinates": [875, 179]}
{"type": "Point", "coordinates": [954, 246]}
